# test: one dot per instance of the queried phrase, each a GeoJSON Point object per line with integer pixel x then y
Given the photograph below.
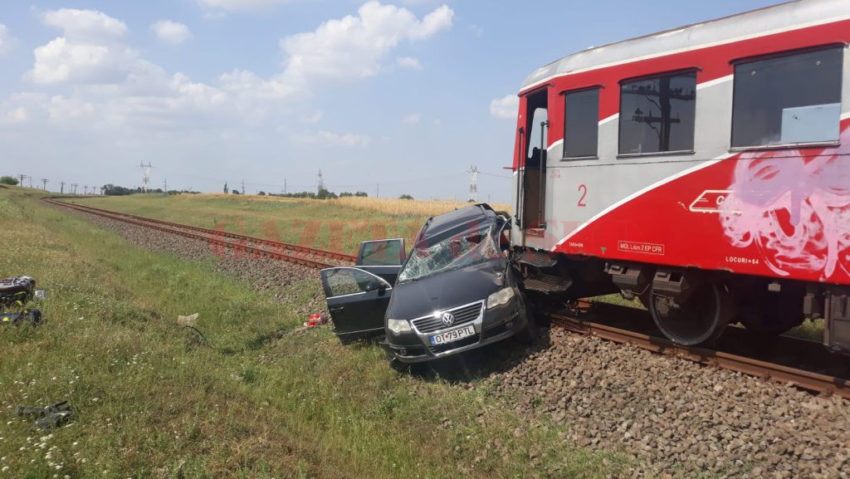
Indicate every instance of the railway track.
{"type": "Point", "coordinates": [804, 364]}
{"type": "Point", "coordinates": [251, 246]}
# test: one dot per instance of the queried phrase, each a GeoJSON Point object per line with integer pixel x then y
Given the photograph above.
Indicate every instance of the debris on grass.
{"type": "Point", "coordinates": [15, 293]}
{"type": "Point", "coordinates": [31, 316]}
{"type": "Point", "coordinates": [316, 319]}
{"type": "Point", "coordinates": [186, 321]}
{"type": "Point", "coordinates": [47, 417]}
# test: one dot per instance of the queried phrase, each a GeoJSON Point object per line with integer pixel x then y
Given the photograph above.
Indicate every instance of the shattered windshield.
{"type": "Point", "coordinates": [468, 247]}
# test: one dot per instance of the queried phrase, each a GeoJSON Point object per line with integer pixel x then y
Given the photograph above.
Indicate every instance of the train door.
{"type": "Point", "coordinates": [531, 203]}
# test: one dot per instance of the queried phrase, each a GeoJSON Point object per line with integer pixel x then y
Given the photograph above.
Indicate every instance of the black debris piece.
{"type": "Point", "coordinates": [47, 417]}
{"type": "Point", "coordinates": [32, 316]}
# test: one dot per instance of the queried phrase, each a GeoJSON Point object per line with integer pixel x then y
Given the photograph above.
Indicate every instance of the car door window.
{"type": "Point", "coordinates": [381, 253]}
{"type": "Point", "coordinates": [347, 281]}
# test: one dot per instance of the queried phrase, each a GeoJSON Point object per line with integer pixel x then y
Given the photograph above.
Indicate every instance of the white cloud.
{"type": "Point", "coordinates": [102, 89]}
{"type": "Point", "coordinates": [90, 51]}
{"type": "Point", "coordinates": [63, 61]}
{"type": "Point", "coordinates": [7, 42]}
{"type": "Point", "coordinates": [85, 25]}
{"type": "Point", "coordinates": [412, 119]}
{"type": "Point", "coordinates": [248, 84]}
{"type": "Point", "coordinates": [171, 32]}
{"type": "Point", "coordinates": [313, 118]}
{"type": "Point", "coordinates": [327, 138]}
{"type": "Point", "coordinates": [354, 47]}
{"type": "Point", "coordinates": [505, 107]}
{"type": "Point", "coordinates": [476, 30]}
{"type": "Point", "coordinates": [409, 63]}
{"type": "Point", "coordinates": [240, 5]}
{"type": "Point", "coordinates": [14, 116]}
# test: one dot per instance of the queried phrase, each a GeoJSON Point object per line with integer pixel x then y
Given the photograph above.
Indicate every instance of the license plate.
{"type": "Point", "coordinates": [453, 335]}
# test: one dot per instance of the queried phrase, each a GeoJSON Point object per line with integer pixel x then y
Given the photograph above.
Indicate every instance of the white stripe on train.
{"type": "Point", "coordinates": [647, 189]}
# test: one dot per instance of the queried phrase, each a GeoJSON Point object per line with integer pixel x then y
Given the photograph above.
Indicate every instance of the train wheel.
{"type": "Point", "coordinates": [700, 318]}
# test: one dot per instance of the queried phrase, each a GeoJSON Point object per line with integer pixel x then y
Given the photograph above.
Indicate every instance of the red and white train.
{"type": "Point", "coordinates": [705, 170]}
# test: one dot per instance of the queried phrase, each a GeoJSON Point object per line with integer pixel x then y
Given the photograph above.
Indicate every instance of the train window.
{"type": "Point", "coordinates": [657, 114]}
{"type": "Point", "coordinates": [787, 100]}
{"type": "Point", "coordinates": [581, 123]}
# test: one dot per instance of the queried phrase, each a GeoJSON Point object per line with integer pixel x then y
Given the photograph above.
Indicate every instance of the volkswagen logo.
{"type": "Point", "coordinates": [448, 319]}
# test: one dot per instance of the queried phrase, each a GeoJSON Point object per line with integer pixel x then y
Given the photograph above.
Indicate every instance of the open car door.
{"type": "Point", "coordinates": [357, 301]}
{"type": "Point", "coordinates": [382, 258]}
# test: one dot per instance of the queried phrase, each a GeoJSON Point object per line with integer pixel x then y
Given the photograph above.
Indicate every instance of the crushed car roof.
{"type": "Point", "coordinates": [439, 224]}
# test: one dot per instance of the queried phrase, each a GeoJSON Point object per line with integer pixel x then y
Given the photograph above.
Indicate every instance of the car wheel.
{"type": "Point", "coordinates": [530, 334]}
{"type": "Point", "coordinates": [408, 368]}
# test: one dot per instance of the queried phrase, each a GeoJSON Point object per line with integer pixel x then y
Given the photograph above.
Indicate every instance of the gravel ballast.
{"type": "Point", "coordinates": [679, 418]}
{"type": "Point", "coordinates": [675, 417]}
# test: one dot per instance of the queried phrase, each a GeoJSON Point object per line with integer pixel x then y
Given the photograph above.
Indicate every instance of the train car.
{"type": "Point", "coordinates": [704, 170]}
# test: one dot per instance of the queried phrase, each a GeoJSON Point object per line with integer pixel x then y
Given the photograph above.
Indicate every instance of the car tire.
{"type": "Point", "coordinates": [530, 334]}
{"type": "Point", "coordinates": [407, 368]}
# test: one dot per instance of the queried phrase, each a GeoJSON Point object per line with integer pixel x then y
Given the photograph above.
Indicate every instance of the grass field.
{"type": "Point", "coordinates": [338, 225]}
{"type": "Point", "coordinates": [263, 401]}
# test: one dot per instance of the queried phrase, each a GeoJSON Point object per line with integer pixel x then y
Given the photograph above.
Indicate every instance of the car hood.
{"type": "Point", "coordinates": [422, 297]}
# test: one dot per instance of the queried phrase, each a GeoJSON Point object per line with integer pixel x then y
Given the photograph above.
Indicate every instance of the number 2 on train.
{"type": "Point", "coordinates": [583, 190]}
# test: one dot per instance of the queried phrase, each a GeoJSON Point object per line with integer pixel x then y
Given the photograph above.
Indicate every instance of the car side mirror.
{"type": "Point", "coordinates": [375, 285]}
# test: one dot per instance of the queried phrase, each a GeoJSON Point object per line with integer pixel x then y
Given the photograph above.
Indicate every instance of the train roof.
{"type": "Point", "coordinates": [755, 23]}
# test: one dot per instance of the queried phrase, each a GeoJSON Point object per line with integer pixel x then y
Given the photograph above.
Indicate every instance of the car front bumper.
{"type": "Point", "coordinates": [492, 325]}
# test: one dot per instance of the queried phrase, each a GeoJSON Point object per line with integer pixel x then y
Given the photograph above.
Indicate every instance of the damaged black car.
{"type": "Point", "coordinates": [456, 290]}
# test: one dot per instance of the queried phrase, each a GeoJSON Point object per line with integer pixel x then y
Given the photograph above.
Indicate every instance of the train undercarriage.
{"type": "Point", "coordinates": [692, 306]}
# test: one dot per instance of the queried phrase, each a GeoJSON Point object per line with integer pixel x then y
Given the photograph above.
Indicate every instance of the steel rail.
{"type": "Point", "coordinates": [275, 244]}
{"type": "Point", "coordinates": [243, 243]}
{"type": "Point", "coordinates": [803, 379]}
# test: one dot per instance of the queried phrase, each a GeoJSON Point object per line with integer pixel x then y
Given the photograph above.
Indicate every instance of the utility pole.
{"type": "Point", "coordinates": [146, 175]}
{"type": "Point", "coordinates": [73, 188]}
{"type": "Point", "coordinates": [30, 178]}
{"type": "Point", "coordinates": [473, 184]}
{"type": "Point", "coordinates": [377, 191]}
{"type": "Point", "coordinates": [243, 186]}
{"type": "Point", "coordinates": [21, 180]}
{"type": "Point", "coordinates": [165, 185]}
{"type": "Point", "coordinates": [85, 190]}
{"type": "Point", "coordinates": [44, 184]}
{"type": "Point", "coordinates": [284, 185]}
{"type": "Point", "coordinates": [321, 183]}
{"type": "Point", "coordinates": [61, 187]}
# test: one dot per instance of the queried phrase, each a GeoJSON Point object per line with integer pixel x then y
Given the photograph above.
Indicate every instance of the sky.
{"type": "Point", "coordinates": [389, 97]}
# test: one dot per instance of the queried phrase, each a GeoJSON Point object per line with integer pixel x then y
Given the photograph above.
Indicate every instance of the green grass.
{"type": "Point", "coordinates": [264, 400]}
{"type": "Point", "coordinates": [313, 223]}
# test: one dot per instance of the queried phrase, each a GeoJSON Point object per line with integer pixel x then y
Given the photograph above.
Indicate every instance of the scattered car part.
{"type": "Point", "coordinates": [47, 417]}
{"type": "Point", "coordinates": [15, 293]}
{"type": "Point", "coordinates": [31, 316]}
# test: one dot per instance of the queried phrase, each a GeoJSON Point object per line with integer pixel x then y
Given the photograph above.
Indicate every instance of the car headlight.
{"type": "Point", "coordinates": [500, 298]}
{"type": "Point", "coordinates": [398, 326]}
